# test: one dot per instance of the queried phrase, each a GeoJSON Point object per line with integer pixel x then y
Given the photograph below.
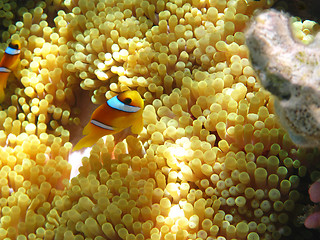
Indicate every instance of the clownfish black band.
{"type": "Point", "coordinates": [12, 51]}
{"type": "Point", "coordinates": [101, 125]}
{"type": "Point", "coordinates": [5, 70]}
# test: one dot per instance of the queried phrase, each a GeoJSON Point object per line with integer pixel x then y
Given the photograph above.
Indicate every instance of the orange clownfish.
{"type": "Point", "coordinates": [8, 63]}
{"type": "Point", "coordinates": [120, 112]}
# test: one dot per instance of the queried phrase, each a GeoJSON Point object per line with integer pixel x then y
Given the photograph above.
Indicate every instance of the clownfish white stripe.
{"type": "Point", "coordinates": [12, 51]}
{"type": "Point", "coordinates": [117, 104]}
{"type": "Point", "coordinates": [101, 125]}
{"type": "Point", "coordinates": [5, 70]}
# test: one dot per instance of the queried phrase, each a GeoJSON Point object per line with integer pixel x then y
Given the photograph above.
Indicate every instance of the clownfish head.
{"type": "Point", "coordinates": [15, 44]}
{"type": "Point", "coordinates": [128, 101]}
{"type": "Point", "coordinates": [131, 98]}
{"type": "Point", "coordinates": [13, 48]}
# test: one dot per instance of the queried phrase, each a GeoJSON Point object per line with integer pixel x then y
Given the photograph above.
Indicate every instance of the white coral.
{"type": "Point", "coordinates": [290, 70]}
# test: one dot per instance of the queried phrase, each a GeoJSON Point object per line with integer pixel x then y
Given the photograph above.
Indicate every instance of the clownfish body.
{"type": "Point", "coordinates": [8, 63]}
{"type": "Point", "coordinates": [118, 113]}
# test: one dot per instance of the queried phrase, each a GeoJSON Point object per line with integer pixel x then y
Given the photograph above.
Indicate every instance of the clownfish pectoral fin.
{"type": "Point", "coordinates": [137, 126]}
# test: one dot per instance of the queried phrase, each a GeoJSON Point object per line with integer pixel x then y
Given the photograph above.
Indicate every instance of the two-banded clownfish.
{"type": "Point", "coordinates": [248, 1]}
{"type": "Point", "coordinates": [8, 63]}
{"type": "Point", "coordinates": [120, 112]}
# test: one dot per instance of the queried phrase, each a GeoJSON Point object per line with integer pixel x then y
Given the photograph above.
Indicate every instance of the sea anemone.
{"type": "Point", "coordinates": [212, 161]}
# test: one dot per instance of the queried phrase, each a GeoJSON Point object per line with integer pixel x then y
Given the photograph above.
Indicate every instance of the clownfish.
{"type": "Point", "coordinates": [8, 63]}
{"type": "Point", "coordinates": [120, 112]}
{"type": "Point", "coordinates": [248, 1]}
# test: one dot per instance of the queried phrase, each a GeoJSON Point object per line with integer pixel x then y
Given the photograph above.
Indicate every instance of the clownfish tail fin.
{"type": "Point", "coordinates": [86, 141]}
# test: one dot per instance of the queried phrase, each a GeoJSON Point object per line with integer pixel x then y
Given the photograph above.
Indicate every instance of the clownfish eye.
{"type": "Point", "coordinates": [15, 46]}
{"type": "Point", "coordinates": [127, 101]}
